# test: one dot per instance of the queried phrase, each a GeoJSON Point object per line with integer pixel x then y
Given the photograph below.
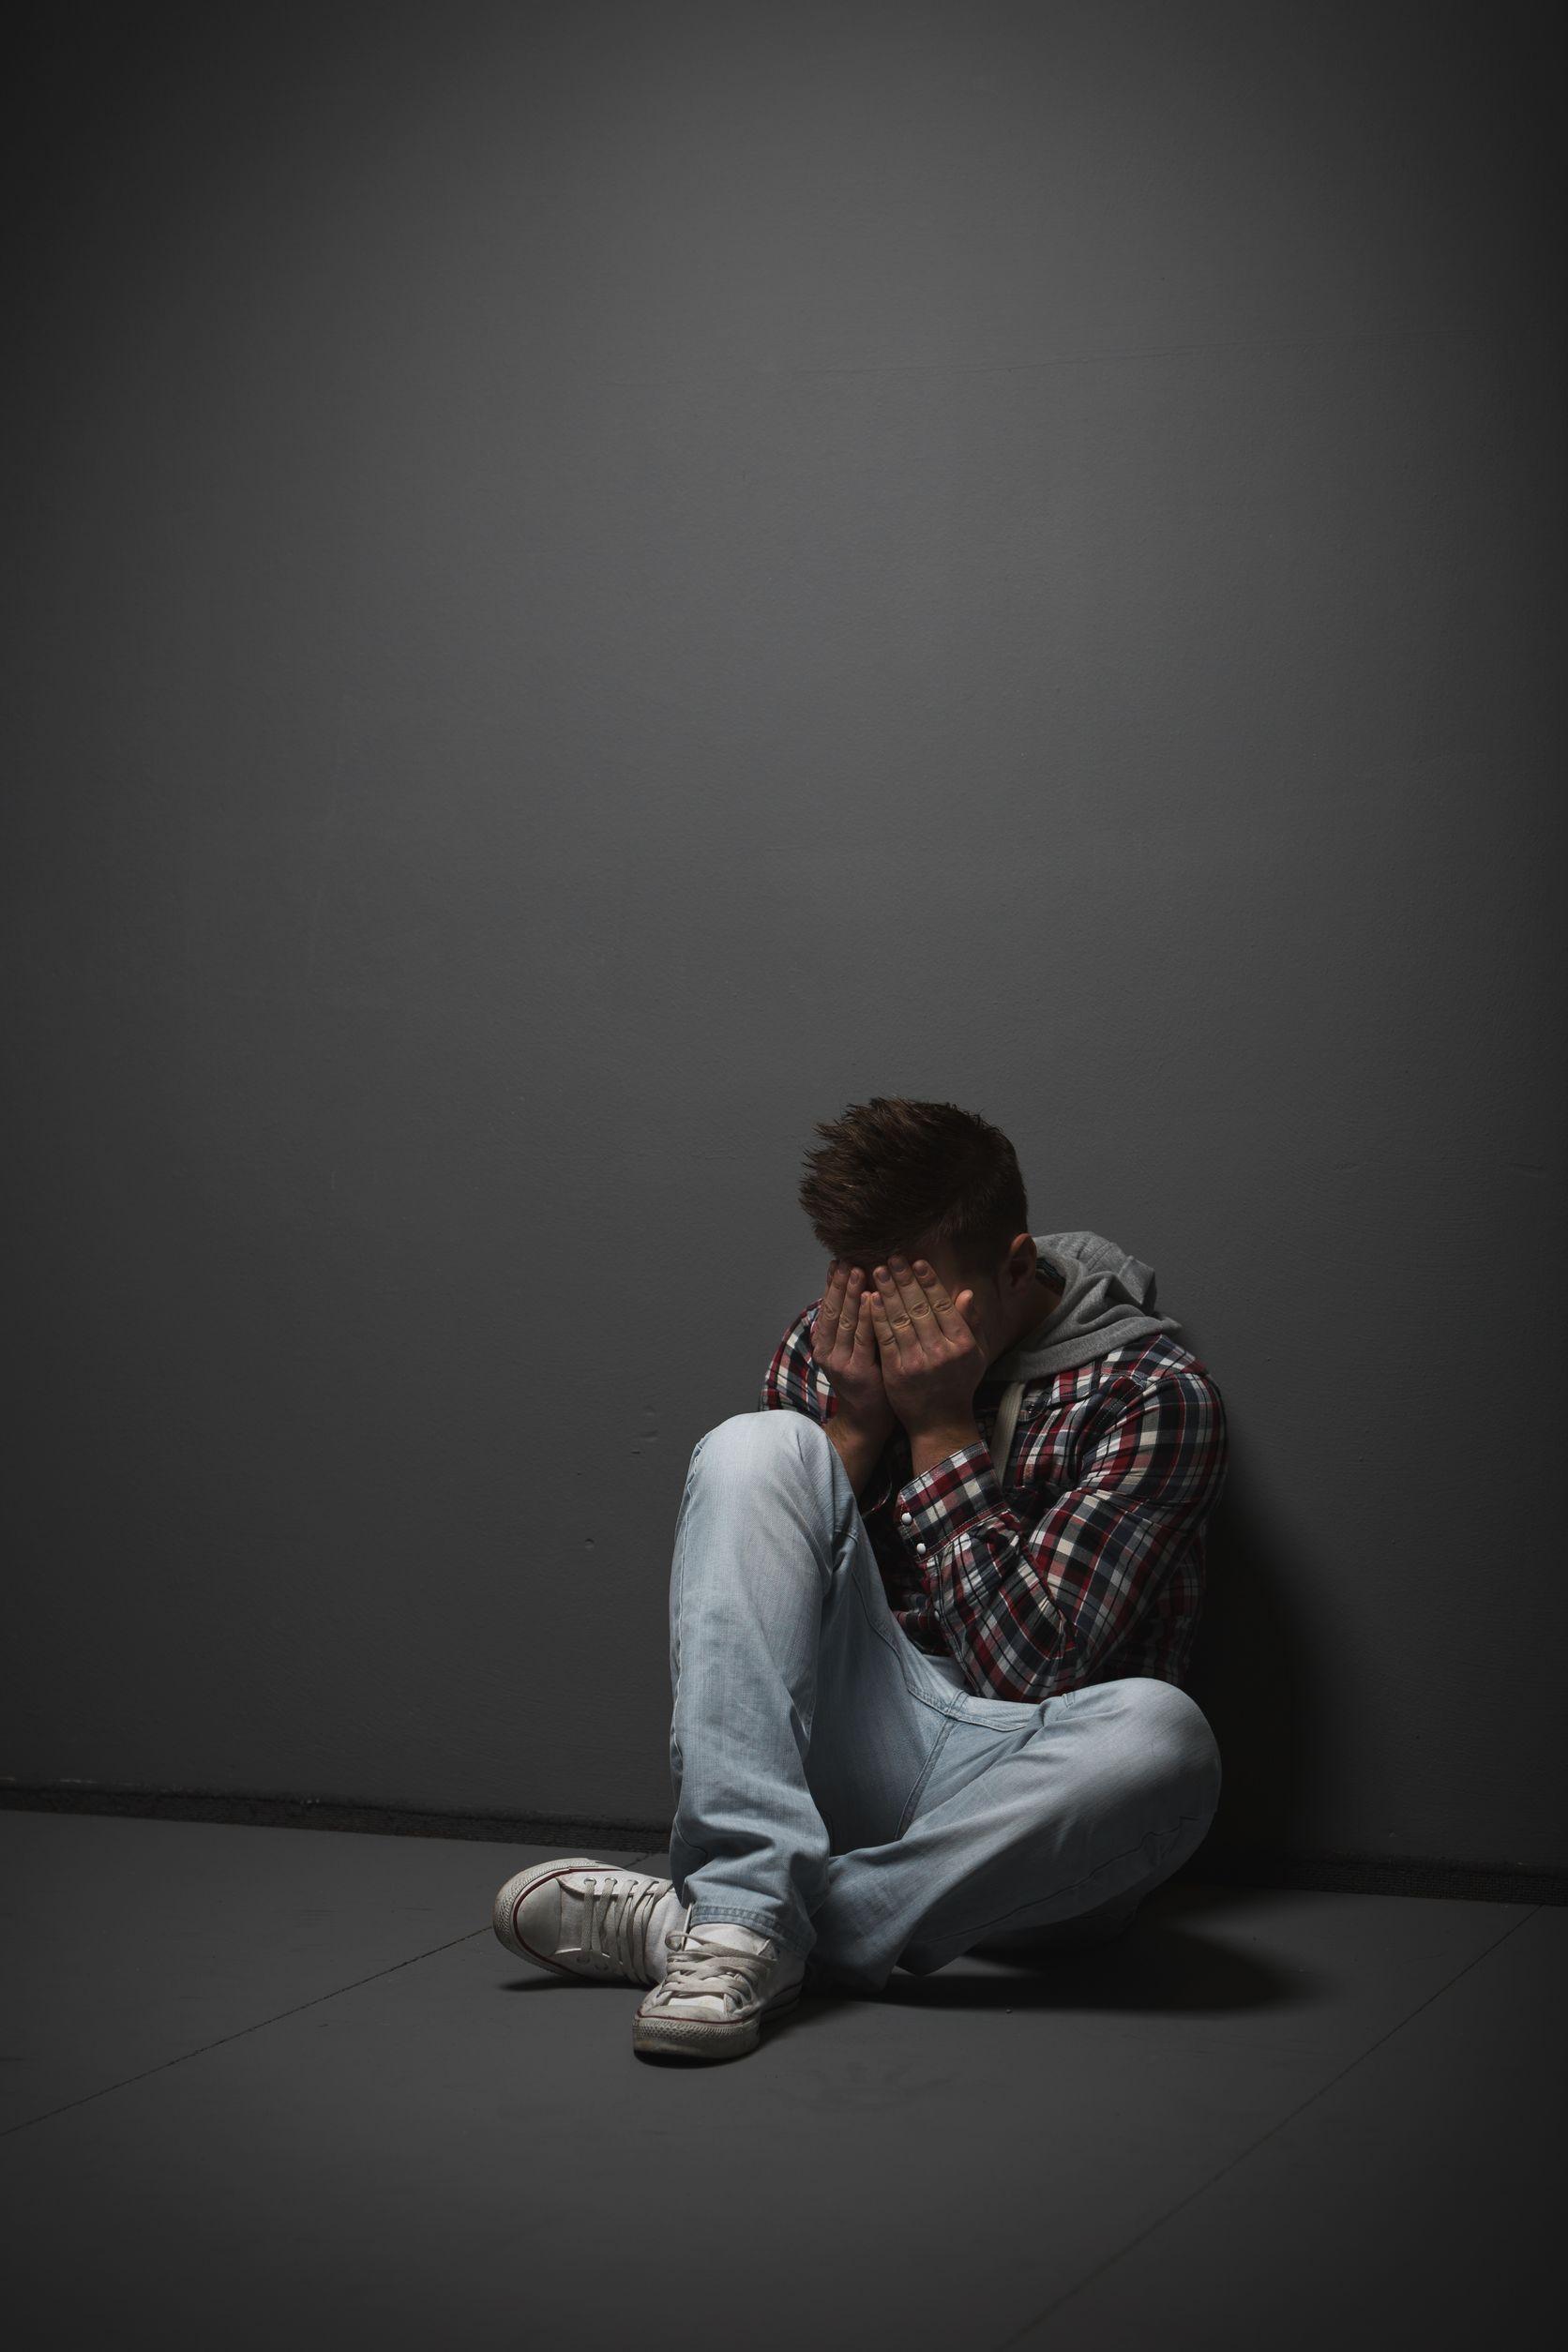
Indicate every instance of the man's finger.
{"type": "Point", "coordinates": [897, 1335]}
{"type": "Point", "coordinates": [913, 1302]}
{"type": "Point", "coordinates": [829, 1309]}
{"type": "Point", "coordinates": [850, 1315]}
{"type": "Point", "coordinates": [944, 1312]}
{"type": "Point", "coordinates": [865, 1335]}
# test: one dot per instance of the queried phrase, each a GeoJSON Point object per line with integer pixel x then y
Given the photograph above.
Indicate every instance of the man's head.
{"type": "Point", "coordinates": [937, 1183]}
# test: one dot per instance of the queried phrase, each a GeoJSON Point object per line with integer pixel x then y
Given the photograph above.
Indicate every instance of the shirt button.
{"type": "Point", "coordinates": [920, 1548]}
{"type": "Point", "coordinates": [906, 1516]}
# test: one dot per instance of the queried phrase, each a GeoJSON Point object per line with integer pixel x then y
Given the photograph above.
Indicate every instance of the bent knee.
{"type": "Point", "coordinates": [772, 1430]}
{"type": "Point", "coordinates": [1175, 1733]}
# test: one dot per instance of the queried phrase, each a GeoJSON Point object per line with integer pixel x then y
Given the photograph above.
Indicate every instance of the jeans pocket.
{"type": "Point", "coordinates": [914, 1798]}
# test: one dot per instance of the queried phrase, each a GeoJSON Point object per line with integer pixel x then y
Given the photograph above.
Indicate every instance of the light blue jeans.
{"type": "Point", "coordinates": [842, 1791]}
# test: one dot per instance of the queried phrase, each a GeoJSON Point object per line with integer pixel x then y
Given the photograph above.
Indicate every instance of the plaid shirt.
{"type": "Point", "coordinates": [1088, 1564]}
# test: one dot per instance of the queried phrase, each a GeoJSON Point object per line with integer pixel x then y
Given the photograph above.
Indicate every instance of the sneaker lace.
{"type": "Point", "coordinates": [702, 1967]}
{"type": "Point", "coordinates": [615, 1917]}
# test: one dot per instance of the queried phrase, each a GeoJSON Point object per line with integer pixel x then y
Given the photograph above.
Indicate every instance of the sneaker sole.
{"type": "Point", "coordinates": [701, 2041]}
{"type": "Point", "coordinates": [504, 1919]}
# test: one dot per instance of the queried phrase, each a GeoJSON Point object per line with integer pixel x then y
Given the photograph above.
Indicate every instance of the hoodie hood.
{"type": "Point", "coordinates": [1109, 1300]}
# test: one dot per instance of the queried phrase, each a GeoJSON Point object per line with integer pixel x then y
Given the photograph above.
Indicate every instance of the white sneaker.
{"type": "Point", "coordinates": [720, 1980]}
{"type": "Point", "coordinates": [579, 1917]}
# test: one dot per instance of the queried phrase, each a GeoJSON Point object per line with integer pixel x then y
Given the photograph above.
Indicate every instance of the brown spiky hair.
{"type": "Point", "coordinates": [893, 1174]}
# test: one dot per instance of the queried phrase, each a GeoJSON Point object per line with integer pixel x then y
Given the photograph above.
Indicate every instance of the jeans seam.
{"type": "Point", "coordinates": [937, 1745]}
{"type": "Point", "coordinates": [895, 1643]}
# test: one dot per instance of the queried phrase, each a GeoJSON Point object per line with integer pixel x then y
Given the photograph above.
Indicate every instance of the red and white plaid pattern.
{"type": "Point", "coordinates": [1091, 1566]}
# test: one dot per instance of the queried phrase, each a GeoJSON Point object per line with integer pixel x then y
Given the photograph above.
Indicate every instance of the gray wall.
{"type": "Point", "coordinates": [591, 583]}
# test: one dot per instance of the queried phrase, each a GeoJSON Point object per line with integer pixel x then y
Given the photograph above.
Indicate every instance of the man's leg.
{"type": "Point", "coordinates": [803, 1715]}
{"type": "Point", "coordinates": [1086, 1931]}
{"type": "Point", "coordinates": [1031, 1814]}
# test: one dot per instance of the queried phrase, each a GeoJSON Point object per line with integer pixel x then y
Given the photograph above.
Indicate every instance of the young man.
{"type": "Point", "coordinates": [931, 1610]}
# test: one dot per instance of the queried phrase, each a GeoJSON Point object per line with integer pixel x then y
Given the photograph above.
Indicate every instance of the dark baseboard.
{"type": "Point", "coordinates": [1378, 1874]}
{"type": "Point", "coordinates": [1330, 1873]}
{"type": "Point", "coordinates": [573, 1833]}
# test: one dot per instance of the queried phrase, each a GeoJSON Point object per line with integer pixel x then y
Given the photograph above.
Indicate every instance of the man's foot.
{"type": "Point", "coordinates": [720, 1980]}
{"type": "Point", "coordinates": [583, 1918]}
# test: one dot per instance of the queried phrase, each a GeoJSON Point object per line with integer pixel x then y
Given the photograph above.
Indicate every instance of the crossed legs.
{"type": "Point", "coordinates": [833, 1790]}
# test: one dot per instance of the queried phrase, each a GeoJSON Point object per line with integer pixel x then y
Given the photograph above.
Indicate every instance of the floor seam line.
{"type": "Point", "coordinates": [1241, 2154]}
{"type": "Point", "coordinates": [184, 2056]}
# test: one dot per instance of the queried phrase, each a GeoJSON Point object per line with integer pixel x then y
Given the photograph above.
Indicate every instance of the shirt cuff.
{"type": "Point", "coordinates": [933, 1508]}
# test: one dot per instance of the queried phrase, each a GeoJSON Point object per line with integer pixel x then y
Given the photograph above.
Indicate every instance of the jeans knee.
{"type": "Point", "coordinates": [1178, 1737]}
{"type": "Point", "coordinates": [761, 1435]}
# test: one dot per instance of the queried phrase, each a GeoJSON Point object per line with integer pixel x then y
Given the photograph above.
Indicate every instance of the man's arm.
{"type": "Point", "coordinates": [1032, 1608]}
{"type": "Point", "coordinates": [859, 1453]}
{"type": "Point", "coordinates": [794, 1381]}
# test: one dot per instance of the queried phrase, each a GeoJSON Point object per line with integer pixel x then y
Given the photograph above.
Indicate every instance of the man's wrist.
{"type": "Point", "coordinates": [863, 1424]}
{"type": "Point", "coordinates": [934, 1442]}
{"type": "Point", "coordinates": [859, 1446]}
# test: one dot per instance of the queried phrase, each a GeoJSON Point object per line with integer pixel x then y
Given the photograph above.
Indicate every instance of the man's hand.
{"type": "Point", "coordinates": [933, 1357]}
{"type": "Point", "coordinates": [842, 1344]}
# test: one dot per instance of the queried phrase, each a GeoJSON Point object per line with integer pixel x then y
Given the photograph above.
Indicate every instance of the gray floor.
{"type": "Point", "coordinates": [272, 2087]}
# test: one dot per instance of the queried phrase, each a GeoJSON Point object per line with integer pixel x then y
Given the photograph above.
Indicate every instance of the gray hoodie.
{"type": "Point", "coordinates": [1109, 1300]}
